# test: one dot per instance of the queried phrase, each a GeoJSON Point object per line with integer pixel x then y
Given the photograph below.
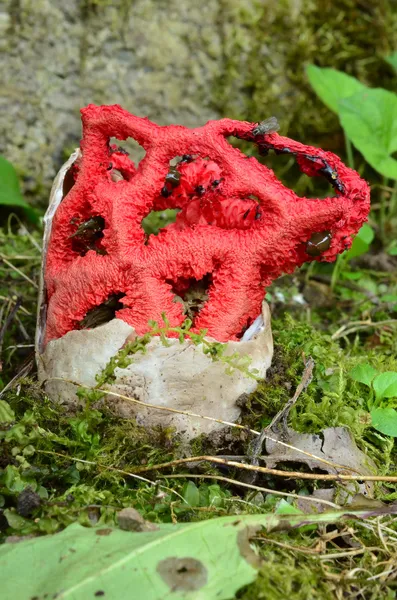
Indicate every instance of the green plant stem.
{"type": "Point", "coordinates": [393, 201]}
{"type": "Point", "coordinates": [340, 261]}
{"type": "Point", "coordinates": [338, 266]}
{"type": "Point", "coordinates": [382, 210]}
{"type": "Point", "coordinates": [349, 152]}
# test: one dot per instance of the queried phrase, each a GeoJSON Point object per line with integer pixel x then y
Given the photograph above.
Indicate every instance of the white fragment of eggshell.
{"type": "Point", "coordinates": [178, 376]}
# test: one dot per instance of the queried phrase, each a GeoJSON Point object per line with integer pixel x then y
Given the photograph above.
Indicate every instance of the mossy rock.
{"type": "Point", "coordinates": [174, 62]}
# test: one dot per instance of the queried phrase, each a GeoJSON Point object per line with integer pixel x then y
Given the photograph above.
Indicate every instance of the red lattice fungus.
{"type": "Point", "coordinates": [238, 227]}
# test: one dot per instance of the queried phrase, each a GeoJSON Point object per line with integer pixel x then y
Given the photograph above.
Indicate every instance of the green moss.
{"type": "Point", "coordinates": [18, 278]}
{"type": "Point", "coordinates": [285, 575]}
{"type": "Point", "coordinates": [332, 399]}
{"type": "Point", "coordinates": [293, 574]}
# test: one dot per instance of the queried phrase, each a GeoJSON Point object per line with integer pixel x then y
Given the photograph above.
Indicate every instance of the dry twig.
{"type": "Point", "coordinates": [281, 415]}
{"type": "Point", "coordinates": [266, 471]}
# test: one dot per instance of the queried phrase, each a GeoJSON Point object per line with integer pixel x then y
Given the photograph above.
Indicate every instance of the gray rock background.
{"type": "Point", "coordinates": [182, 61]}
{"type": "Point", "coordinates": [62, 55]}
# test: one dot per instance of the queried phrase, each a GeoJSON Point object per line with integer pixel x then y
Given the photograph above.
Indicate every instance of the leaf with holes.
{"type": "Point", "coordinates": [331, 85]}
{"type": "Point", "coordinates": [369, 119]}
{"type": "Point", "coordinates": [208, 559]}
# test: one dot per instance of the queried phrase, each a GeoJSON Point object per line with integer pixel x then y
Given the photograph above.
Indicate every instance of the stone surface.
{"type": "Point", "coordinates": [175, 62]}
{"type": "Point", "coordinates": [158, 59]}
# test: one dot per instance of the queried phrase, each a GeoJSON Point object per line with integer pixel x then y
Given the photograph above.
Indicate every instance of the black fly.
{"type": "Point", "coordinates": [270, 125]}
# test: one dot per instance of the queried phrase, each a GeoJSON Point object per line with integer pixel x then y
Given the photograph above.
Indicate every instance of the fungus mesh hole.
{"type": "Point", "coordinates": [87, 234]}
{"type": "Point", "coordinates": [68, 181]}
{"type": "Point", "coordinates": [129, 147]}
{"type": "Point", "coordinates": [244, 329]}
{"type": "Point", "coordinates": [196, 185]}
{"type": "Point", "coordinates": [286, 170]}
{"type": "Point", "coordinates": [192, 294]}
{"type": "Point", "coordinates": [103, 313]}
{"type": "Point", "coordinates": [158, 219]}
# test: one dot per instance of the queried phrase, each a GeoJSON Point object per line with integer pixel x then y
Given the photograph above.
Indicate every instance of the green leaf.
{"type": "Point", "coordinates": [191, 494]}
{"type": "Point", "coordinates": [14, 520]}
{"type": "Point", "coordinates": [361, 242]}
{"type": "Point", "coordinates": [194, 561]}
{"type": "Point", "coordinates": [285, 508]}
{"type": "Point", "coordinates": [385, 420]}
{"type": "Point", "coordinates": [331, 85]}
{"type": "Point", "coordinates": [9, 185]}
{"type": "Point", "coordinates": [10, 192]}
{"type": "Point", "coordinates": [388, 298]}
{"type": "Point", "coordinates": [392, 60]}
{"type": "Point", "coordinates": [392, 249]}
{"type": "Point", "coordinates": [215, 495]}
{"type": "Point", "coordinates": [369, 119]}
{"type": "Point", "coordinates": [363, 374]}
{"type": "Point", "coordinates": [7, 415]}
{"type": "Point", "coordinates": [385, 385]}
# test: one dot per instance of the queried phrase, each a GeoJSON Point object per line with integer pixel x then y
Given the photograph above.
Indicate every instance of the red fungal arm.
{"type": "Point", "coordinates": [237, 222]}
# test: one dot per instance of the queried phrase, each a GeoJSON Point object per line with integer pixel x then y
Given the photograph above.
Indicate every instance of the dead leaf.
{"type": "Point", "coordinates": [335, 445]}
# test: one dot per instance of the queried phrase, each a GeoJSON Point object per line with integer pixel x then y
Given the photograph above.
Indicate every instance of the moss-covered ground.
{"type": "Point", "coordinates": [79, 466]}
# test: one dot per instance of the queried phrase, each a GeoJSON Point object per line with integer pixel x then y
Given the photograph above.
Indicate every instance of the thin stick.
{"type": "Point", "coordinates": [21, 273]}
{"type": "Point", "coordinates": [109, 468]}
{"type": "Point", "coordinates": [23, 226]}
{"type": "Point", "coordinates": [266, 471]}
{"type": "Point", "coordinates": [314, 552]}
{"type": "Point", "coordinates": [360, 325]}
{"type": "Point", "coordinates": [6, 324]}
{"type": "Point", "coordinates": [333, 555]}
{"type": "Point", "coordinates": [311, 551]}
{"type": "Point", "coordinates": [24, 371]}
{"type": "Point", "coordinates": [12, 300]}
{"type": "Point", "coordinates": [9, 318]}
{"type": "Point", "coordinates": [251, 486]}
{"type": "Point", "coordinates": [283, 413]}
{"type": "Point", "coordinates": [190, 414]}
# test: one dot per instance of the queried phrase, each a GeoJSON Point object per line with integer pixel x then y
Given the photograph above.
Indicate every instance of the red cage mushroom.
{"type": "Point", "coordinates": [238, 226]}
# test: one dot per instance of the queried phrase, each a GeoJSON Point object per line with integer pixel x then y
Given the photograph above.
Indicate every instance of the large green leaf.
{"type": "Point", "coordinates": [392, 60]}
{"type": "Point", "coordinates": [385, 385]}
{"type": "Point", "coordinates": [331, 85]}
{"type": "Point", "coordinates": [195, 561]}
{"type": "Point", "coordinates": [369, 119]}
{"type": "Point", "coordinates": [385, 420]}
{"type": "Point", "coordinates": [10, 192]}
{"type": "Point", "coordinates": [361, 242]}
{"type": "Point", "coordinates": [363, 374]}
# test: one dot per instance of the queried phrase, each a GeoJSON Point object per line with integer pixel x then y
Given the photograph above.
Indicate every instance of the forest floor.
{"type": "Point", "coordinates": [82, 469]}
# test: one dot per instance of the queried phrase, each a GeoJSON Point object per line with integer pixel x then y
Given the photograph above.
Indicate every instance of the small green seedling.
{"type": "Point", "coordinates": [382, 389]}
